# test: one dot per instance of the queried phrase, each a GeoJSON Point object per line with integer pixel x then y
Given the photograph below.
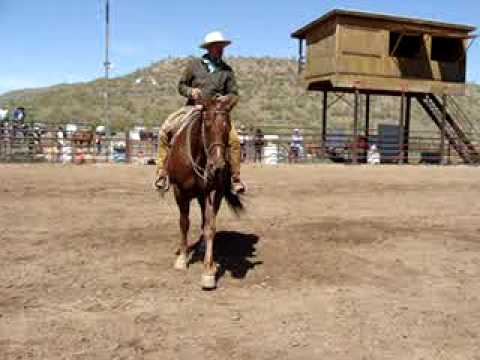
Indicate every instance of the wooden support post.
{"type": "Point", "coordinates": [355, 127]}
{"type": "Point", "coordinates": [324, 119]}
{"type": "Point", "coordinates": [406, 136]}
{"type": "Point", "coordinates": [443, 130]}
{"type": "Point", "coordinates": [367, 116]}
{"type": "Point", "coordinates": [300, 55]}
{"type": "Point", "coordinates": [402, 128]}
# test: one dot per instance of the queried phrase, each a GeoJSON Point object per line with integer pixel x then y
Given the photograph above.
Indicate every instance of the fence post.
{"type": "Point", "coordinates": [109, 152]}
{"type": "Point", "coordinates": [449, 153]}
{"type": "Point", "coordinates": [127, 146]}
{"type": "Point", "coordinates": [11, 139]}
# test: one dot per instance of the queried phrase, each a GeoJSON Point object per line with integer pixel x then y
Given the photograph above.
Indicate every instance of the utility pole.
{"type": "Point", "coordinates": [107, 65]}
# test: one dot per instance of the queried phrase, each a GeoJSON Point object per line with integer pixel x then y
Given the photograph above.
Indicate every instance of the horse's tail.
{"type": "Point", "coordinates": [233, 199]}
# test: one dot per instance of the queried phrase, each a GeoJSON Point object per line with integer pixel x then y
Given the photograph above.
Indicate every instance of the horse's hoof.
{"type": "Point", "coordinates": [181, 262]}
{"type": "Point", "coordinates": [208, 282]}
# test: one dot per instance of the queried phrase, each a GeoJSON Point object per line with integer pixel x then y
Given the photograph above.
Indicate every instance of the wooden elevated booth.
{"type": "Point", "coordinates": [376, 54]}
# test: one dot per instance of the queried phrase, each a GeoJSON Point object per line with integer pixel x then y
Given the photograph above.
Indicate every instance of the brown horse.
{"type": "Point", "coordinates": [198, 169]}
{"type": "Point", "coordinates": [83, 138]}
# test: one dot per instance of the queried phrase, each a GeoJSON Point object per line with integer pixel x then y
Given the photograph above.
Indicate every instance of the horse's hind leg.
{"type": "Point", "coordinates": [184, 206]}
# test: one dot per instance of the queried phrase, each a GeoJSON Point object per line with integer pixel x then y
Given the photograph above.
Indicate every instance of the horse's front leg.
{"type": "Point", "coordinates": [209, 230]}
{"type": "Point", "coordinates": [201, 238]}
{"type": "Point", "coordinates": [184, 207]}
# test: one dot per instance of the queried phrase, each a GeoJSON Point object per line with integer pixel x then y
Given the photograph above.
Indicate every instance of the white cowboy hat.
{"type": "Point", "coordinates": [215, 37]}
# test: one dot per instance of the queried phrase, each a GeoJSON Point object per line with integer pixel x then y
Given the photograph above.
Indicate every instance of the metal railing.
{"type": "Point", "coordinates": [422, 147]}
{"type": "Point", "coordinates": [67, 147]}
{"type": "Point", "coordinates": [275, 147]}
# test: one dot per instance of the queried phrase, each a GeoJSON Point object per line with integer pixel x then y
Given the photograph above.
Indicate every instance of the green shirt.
{"type": "Point", "coordinates": [212, 78]}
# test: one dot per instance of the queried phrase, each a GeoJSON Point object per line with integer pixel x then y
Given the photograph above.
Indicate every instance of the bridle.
{"type": "Point", "coordinates": [202, 172]}
{"type": "Point", "coordinates": [204, 138]}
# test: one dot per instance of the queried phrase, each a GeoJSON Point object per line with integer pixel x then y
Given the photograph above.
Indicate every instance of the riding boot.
{"type": "Point", "coordinates": [238, 186]}
{"type": "Point", "coordinates": [161, 175]}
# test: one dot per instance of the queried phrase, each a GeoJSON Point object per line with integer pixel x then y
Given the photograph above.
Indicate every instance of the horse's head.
{"type": "Point", "coordinates": [216, 128]}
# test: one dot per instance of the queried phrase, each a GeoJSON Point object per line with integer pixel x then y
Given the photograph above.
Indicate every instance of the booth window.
{"type": "Point", "coordinates": [406, 46]}
{"type": "Point", "coordinates": [447, 49]}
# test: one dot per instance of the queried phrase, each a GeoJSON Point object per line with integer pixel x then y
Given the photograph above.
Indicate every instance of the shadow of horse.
{"type": "Point", "coordinates": [234, 253]}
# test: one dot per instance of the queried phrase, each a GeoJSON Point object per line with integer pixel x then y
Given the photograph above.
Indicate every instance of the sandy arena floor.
{"type": "Point", "coordinates": [330, 262]}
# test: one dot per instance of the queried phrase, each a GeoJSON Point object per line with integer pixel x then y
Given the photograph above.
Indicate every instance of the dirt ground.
{"type": "Point", "coordinates": [330, 262]}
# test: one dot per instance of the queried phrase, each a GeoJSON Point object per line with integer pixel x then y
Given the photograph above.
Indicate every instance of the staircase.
{"type": "Point", "coordinates": [459, 130]}
{"type": "Point", "coordinates": [468, 127]}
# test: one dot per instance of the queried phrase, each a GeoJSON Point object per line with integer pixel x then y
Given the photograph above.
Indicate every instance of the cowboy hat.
{"type": "Point", "coordinates": [215, 37]}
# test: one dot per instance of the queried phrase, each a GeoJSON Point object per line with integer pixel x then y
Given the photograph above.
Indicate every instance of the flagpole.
{"type": "Point", "coordinates": [107, 69]}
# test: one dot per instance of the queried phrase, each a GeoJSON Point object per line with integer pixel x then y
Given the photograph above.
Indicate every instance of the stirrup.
{"type": "Point", "coordinates": [162, 184]}
{"type": "Point", "coordinates": [239, 187]}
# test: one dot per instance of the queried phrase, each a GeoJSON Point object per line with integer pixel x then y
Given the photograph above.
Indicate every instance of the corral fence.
{"type": "Point", "coordinates": [387, 142]}
{"type": "Point", "coordinates": [276, 145]}
{"type": "Point", "coordinates": [76, 144]}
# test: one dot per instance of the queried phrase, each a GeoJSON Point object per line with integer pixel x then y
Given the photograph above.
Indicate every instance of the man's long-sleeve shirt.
{"type": "Point", "coordinates": [212, 78]}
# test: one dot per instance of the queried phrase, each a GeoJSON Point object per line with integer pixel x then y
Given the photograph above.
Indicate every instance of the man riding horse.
{"type": "Point", "coordinates": [205, 77]}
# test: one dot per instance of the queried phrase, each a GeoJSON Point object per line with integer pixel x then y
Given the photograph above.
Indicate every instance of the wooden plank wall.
{"type": "Point", "coordinates": [350, 46]}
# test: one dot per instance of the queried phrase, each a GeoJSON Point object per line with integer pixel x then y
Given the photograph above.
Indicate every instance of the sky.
{"type": "Point", "coordinates": [46, 42]}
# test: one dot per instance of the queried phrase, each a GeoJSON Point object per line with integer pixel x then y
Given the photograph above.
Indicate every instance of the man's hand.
{"type": "Point", "coordinates": [196, 94]}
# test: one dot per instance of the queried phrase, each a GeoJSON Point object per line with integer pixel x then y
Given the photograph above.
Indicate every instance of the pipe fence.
{"type": "Point", "coordinates": [275, 145]}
